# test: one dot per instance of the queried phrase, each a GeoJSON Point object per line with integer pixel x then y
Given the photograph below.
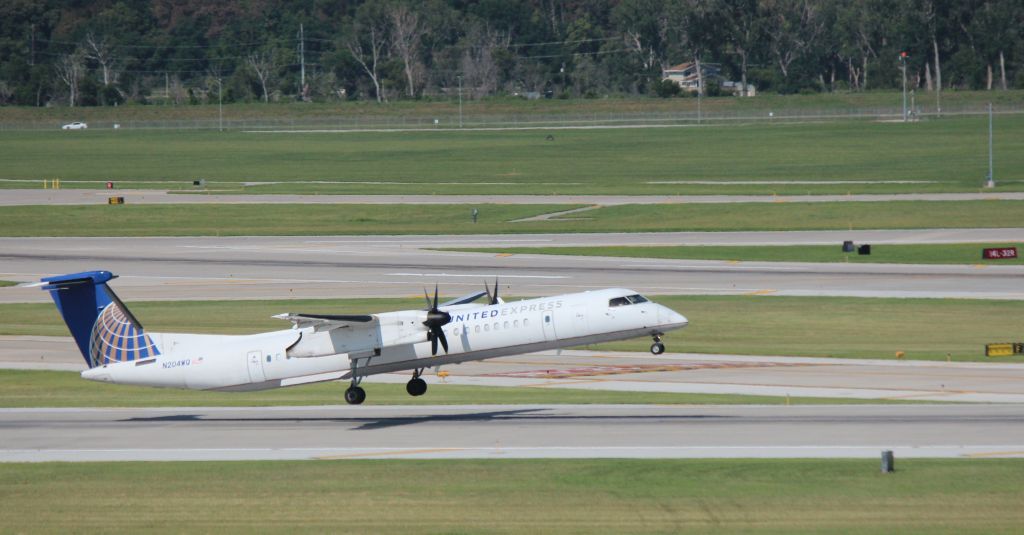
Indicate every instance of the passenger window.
{"type": "Point", "coordinates": [506, 325]}
{"type": "Point", "coordinates": [495, 326]}
{"type": "Point", "coordinates": [487, 327]}
{"type": "Point", "coordinates": [477, 329]}
{"type": "Point", "coordinates": [526, 322]}
{"type": "Point", "coordinates": [515, 324]}
{"type": "Point", "coordinates": [547, 319]}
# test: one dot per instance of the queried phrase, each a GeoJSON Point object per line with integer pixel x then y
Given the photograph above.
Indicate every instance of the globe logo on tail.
{"type": "Point", "coordinates": [115, 338]}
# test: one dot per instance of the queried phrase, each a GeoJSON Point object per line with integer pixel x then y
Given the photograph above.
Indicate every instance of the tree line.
{"type": "Point", "coordinates": [109, 52]}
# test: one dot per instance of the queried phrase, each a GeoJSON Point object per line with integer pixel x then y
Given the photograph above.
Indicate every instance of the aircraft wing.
{"type": "Point", "coordinates": [468, 298]}
{"type": "Point", "coordinates": [327, 322]}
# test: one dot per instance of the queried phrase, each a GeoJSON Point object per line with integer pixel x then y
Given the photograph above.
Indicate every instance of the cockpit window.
{"type": "Point", "coordinates": [627, 300]}
{"type": "Point", "coordinates": [618, 302]}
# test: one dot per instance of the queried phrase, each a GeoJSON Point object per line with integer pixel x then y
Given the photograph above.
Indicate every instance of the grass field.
{"type": "Point", "coordinates": [949, 154]}
{"type": "Point", "coordinates": [751, 325]}
{"type": "Point", "coordinates": [7, 283]}
{"type": "Point", "coordinates": [38, 388]}
{"type": "Point", "coordinates": [953, 253]}
{"type": "Point", "coordinates": [512, 496]}
{"type": "Point", "coordinates": [319, 220]}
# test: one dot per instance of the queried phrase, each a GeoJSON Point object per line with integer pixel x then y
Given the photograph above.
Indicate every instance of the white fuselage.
{"type": "Point", "coordinates": [396, 342]}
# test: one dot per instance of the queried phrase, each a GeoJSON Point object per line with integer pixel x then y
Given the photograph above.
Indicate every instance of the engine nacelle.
{"type": "Point", "coordinates": [389, 329]}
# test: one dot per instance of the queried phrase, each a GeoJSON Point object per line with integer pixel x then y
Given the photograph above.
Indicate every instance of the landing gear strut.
{"type": "Point", "coordinates": [657, 347]}
{"type": "Point", "coordinates": [355, 394]}
{"type": "Point", "coordinates": [416, 386]}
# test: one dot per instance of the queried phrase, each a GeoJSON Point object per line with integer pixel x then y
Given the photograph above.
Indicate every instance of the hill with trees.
{"type": "Point", "coordinates": [109, 52]}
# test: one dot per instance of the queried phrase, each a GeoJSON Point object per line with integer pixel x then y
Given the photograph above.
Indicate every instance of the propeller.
{"type": "Point", "coordinates": [492, 298]}
{"type": "Point", "coordinates": [435, 320]}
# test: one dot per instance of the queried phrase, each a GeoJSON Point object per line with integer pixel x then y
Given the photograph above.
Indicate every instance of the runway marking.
{"type": "Point", "coordinates": [762, 292]}
{"type": "Point", "coordinates": [380, 453]}
{"type": "Point", "coordinates": [474, 275]}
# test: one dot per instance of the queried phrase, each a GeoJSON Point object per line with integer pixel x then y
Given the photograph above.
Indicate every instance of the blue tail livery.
{"type": "Point", "coordinates": [102, 326]}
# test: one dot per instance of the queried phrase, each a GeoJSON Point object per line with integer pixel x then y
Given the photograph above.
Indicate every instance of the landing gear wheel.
{"type": "Point", "coordinates": [355, 395]}
{"type": "Point", "coordinates": [416, 387]}
{"type": "Point", "coordinates": [657, 348]}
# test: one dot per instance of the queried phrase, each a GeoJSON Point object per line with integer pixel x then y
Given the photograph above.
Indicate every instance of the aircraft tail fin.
{"type": "Point", "coordinates": [103, 328]}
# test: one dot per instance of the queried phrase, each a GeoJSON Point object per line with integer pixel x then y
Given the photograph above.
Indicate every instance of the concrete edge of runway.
{"type": "Point", "coordinates": [951, 451]}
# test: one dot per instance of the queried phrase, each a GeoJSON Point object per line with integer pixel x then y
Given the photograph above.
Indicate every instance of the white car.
{"type": "Point", "coordinates": [75, 126]}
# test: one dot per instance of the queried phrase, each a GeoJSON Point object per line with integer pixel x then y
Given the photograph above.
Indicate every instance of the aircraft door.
{"type": "Point", "coordinates": [549, 325]}
{"type": "Point", "coordinates": [255, 359]}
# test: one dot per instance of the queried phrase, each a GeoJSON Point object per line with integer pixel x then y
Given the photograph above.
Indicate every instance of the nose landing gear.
{"type": "Point", "coordinates": [657, 347]}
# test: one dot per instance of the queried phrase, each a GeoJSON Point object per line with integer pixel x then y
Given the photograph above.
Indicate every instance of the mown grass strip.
{"type": "Point", "coordinates": [951, 253]}
{"type": "Point", "coordinates": [306, 220]}
{"type": "Point", "coordinates": [845, 327]}
{"type": "Point", "coordinates": [949, 154]}
{"type": "Point", "coordinates": [517, 496]}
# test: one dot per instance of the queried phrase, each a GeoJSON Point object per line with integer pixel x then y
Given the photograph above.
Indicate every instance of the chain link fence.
{"type": "Point", "coordinates": [524, 121]}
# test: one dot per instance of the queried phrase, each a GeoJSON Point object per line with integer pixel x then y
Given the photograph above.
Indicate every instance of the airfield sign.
{"type": "Point", "coordinates": [999, 253]}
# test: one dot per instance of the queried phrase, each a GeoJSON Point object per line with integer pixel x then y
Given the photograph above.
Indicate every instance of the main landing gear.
{"type": "Point", "coordinates": [657, 347]}
{"type": "Point", "coordinates": [355, 394]}
{"type": "Point", "coordinates": [416, 386]}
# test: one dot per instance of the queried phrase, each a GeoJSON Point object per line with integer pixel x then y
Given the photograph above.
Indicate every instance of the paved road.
{"type": "Point", "coordinates": [984, 382]}
{"type": "Point", "coordinates": [17, 197]}
{"type": "Point", "coordinates": [373, 266]}
{"type": "Point", "coordinates": [510, 431]}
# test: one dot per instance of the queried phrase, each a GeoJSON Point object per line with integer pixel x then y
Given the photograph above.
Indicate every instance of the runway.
{"type": "Point", "coordinates": [681, 373]}
{"type": "Point", "coordinates": [25, 197]}
{"type": "Point", "coordinates": [390, 266]}
{"type": "Point", "coordinates": [509, 431]}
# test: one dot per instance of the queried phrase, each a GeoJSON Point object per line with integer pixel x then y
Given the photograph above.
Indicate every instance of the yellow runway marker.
{"type": "Point", "coordinates": [379, 453]}
{"type": "Point", "coordinates": [503, 255]}
{"type": "Point", "coordinates": [761, 292]}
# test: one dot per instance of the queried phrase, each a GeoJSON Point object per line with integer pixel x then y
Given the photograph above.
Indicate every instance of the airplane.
{"type": "Point", "coordinates": [323, 347]}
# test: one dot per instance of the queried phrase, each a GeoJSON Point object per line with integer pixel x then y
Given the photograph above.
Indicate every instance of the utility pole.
{"type": "Point", "coordinates": [302, 62]}
{"type": "Point", "coordinates": [460, 101]}
{"type": "Point", "coordinates": [903, 67]}
{"type": "Point", "coordinates": [220, 103]}
{"type": "Point", "coordinates": [991, 182]}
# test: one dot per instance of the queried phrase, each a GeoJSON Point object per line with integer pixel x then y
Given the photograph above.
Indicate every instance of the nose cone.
{"type": "Point", "coordinates": [673, 319]}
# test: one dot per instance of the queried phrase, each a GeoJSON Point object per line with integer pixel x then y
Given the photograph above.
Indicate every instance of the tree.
{"type": "Point", "coordinates": [406, 42]}
{"type": "Point", "coordinates": [102, 52]}
{"type": "Point", "coordinates": [796, 26]}
{"type": "Point", "coordinates": [742, 21]}
{"type": "Point", "coordinates": [263, 66]}
{"type": "Point", "coordinates": [368, 42]}
{"type": "Point", "coordinates": [70, 68]}
{"type": "Point", "coordinates": [644, 25]}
